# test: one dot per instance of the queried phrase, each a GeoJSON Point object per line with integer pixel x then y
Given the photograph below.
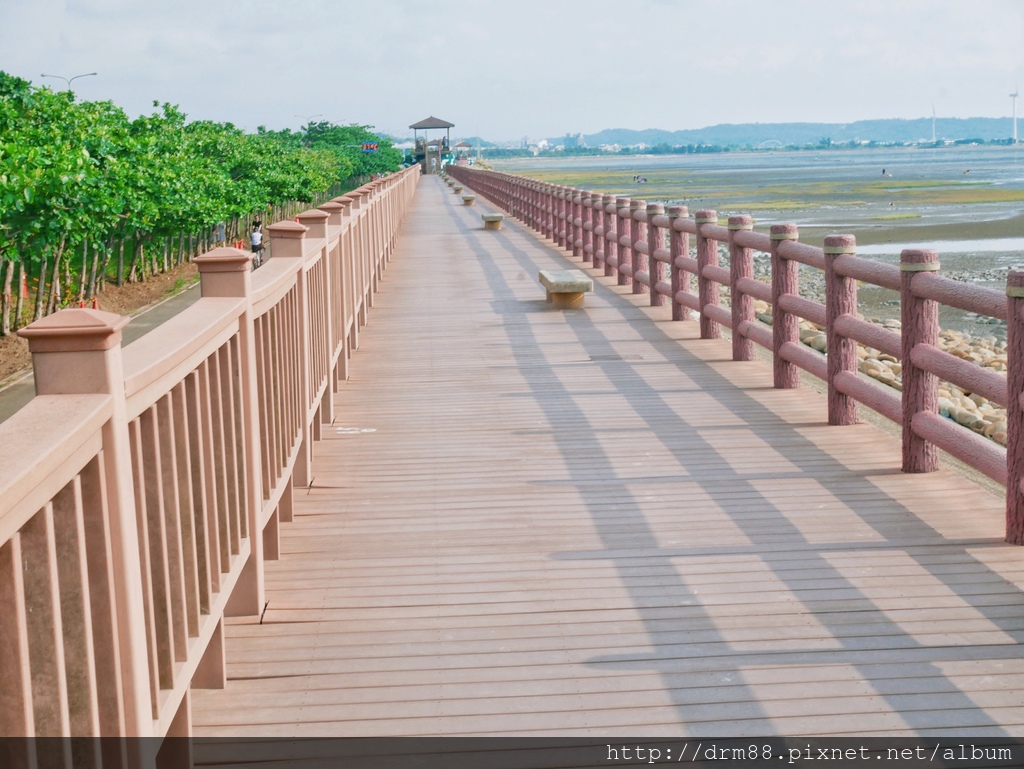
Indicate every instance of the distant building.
{"type": "Point", "coordinates": [574, 140]}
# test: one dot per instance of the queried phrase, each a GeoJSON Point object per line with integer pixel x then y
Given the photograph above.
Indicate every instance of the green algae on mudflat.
{"type": "Point", "coordinates": [686, 185]}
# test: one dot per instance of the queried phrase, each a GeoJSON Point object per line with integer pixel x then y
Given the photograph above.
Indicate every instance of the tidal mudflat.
{"type": "Point", "coordinates": [966, 203]}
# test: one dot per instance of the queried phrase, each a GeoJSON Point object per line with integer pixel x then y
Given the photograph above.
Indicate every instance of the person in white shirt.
{"type": "Point", "coordinates": [257, 243]}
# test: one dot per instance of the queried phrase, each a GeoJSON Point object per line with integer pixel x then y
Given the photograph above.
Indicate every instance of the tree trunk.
{"type": "Point", "coordinates": [41, 289]}
{"type": "Point", "coordinates": [103, 272]}
{"type": "Point", "coordinates": [133, 268]}
{"type": "Point", "coordinates": [54, 296]}
{"type": "Point", "coordinates": [120, 263]}
{"type": "Point", "coordinates": [83, 281]}
{"type": "Point", "coordinates": [90, 287]}
{"type": "Point", "coordinates": [7, 268]}
{"type": "Point", "coordinates": [19, 305]}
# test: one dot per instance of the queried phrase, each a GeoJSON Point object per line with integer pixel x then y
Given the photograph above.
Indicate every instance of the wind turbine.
{"type": "Point", "coordinates": [1013, 101]}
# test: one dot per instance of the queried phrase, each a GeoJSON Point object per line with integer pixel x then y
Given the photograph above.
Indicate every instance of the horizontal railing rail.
{"type": "Point", "coordinates": [649, 249]}
{"type": "Point", "coordinates": [143, 489]}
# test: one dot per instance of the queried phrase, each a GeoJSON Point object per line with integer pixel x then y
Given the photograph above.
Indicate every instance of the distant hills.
{"type": "Point", "coordinates": [799, 134]}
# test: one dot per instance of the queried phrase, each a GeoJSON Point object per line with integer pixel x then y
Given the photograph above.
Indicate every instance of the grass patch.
{"type": "Point", "coordinates": [891, 217]}
{"type": "Point", "coordinates": [180, 285]}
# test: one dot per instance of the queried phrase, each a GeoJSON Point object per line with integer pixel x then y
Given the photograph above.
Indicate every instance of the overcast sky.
{"type": "Point", "coordinates": [535, 68]}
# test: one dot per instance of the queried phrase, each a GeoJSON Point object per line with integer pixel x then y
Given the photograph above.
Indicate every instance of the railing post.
{"type": "Point", "coordinates": [227, 272]}
{"type": "Point", "coordinates": [841, 352]}
{"type": "Point", "coordinates": [577, 216]}
{"type": "Point", "coordinates": [637, 260]}
{"type": "Point", "coordinates": [1014, 407]}
{"type": "Point", "coordinates": [785, 325]}
{"type": "Point", "coordinates": [655, 240]}
{"type": "Point", "coordinates": [741, 265]}
{"type": "Point", "coordinates": [77, 352]}
{"type": "Point", "coordinates": [609, 215]}
{"type": "Point", "coordinates": [561, 216]}
{"type": "Point", "coordinates": [707, 289]}
{"type": "Point", "coordinates": [623, 228]}
{"type": "Point", "coordinates": [587, 218]}
{"type": "Point", "coordinates": [920, 325]}
{"type": "Point", "coordinates": [290, 243]}
{"type": "Point", "coordinates": [338, 288]}
{"type": "Point", "coordinates": [316, 220]}
{"type": "Point", "coordinates": [678, 245]}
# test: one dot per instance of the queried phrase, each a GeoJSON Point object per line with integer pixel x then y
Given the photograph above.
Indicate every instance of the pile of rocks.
{"type": "Point", "coordinates": [971, 410]}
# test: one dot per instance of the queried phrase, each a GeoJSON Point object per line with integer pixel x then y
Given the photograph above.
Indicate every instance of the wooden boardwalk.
{"type": "Point", "coordinates": [527, 521]}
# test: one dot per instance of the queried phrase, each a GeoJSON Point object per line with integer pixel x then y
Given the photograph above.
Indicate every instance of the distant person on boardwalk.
{"type": "Point", "coordinates": [257, 244]}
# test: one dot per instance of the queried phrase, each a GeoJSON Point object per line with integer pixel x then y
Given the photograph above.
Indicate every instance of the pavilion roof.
{"type": "Point", "coordinates": [432, 122]}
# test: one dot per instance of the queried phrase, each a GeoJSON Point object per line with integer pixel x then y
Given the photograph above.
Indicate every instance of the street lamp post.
{"type": "Point", "coordinates": [308, 118]}
{"type": "Point", "coordinates": [71, 80]}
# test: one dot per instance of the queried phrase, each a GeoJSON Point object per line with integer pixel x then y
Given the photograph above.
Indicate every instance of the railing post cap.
{"type": "Point", "coordinates": [655, 208]}
{"type": "Point", "coordinates": [332, 207]}
{"type": "Point", "coordinates": [224, 260]}
{"type": "Point", "coordinates": [636, 205]}
{"type": "Point", "coordinates": [788, 231]}
{"type": "Point", "coordinates": [918, 260]}
{"type": "Point", "coordinates": [707, 216]}
{"type": "Point", "coordinates": [608, 198]}
{"type": "Point", "coordinates": [836, 245]}
{"type": "Point", "coordinates": [1015, 283]}
{"type": "Point", "coordinates": [741, 222]}
{"type": "Point", "coordinates": [79, 329]}
{"type": "Point", "coordinates": [288, 229]}
{"type": "Point", "coordinates": [678, 212]}
{"type": "Point", "coordinates": [313, 215]}
{"type": "Point", "coordinates": [622, 202]}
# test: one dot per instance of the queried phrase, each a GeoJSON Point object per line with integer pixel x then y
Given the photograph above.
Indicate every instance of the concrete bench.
{"type": "Point", "coordinates": [566, 287]}
{"type": "Point", "coordinates": [468, 200]}
{"type": "Point", "coordinates": [492, 221]}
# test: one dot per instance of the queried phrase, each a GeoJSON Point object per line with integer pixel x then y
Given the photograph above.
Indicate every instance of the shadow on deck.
{"type": "Point", "coordinates": [526, 521]}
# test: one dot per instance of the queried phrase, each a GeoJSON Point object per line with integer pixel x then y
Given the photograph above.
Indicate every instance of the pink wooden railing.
{"type": "Point", "coordinates": [626, 238]}
{"type": "Point", "coordinates": [143, 489]}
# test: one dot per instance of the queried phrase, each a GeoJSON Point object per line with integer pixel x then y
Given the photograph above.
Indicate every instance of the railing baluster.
{"type": "Point", "coordinates": [920, 325]}
{"type": "Point", "coordinates": [655, 241]}
{"type": "Point", "coordinates": [841, 352]}
{"type": "Point", "coordinates": [679, 245]}
{"type": "Point", "coordinates": [707, 289]}
{"type": "Point", "coordinates": [785, 325]}
{"type": "Point", "coordinates": [1015, 407]}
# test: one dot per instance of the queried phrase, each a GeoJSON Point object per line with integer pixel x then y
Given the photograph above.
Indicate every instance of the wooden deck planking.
{"type": "Point", "coordinates": [530, 521]}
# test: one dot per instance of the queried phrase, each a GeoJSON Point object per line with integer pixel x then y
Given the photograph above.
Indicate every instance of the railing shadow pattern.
{"type": "Point", "coordinates": [648, 249]}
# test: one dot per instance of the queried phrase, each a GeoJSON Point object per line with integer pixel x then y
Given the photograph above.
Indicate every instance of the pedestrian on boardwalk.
{"type": "Point", "coordinates": [257, 244]}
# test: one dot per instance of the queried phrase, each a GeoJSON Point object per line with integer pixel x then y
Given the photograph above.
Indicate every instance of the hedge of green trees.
{"type": "Point", "coordinates": [89, 196]}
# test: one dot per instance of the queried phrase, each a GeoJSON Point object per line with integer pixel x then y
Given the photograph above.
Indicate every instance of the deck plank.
{"type": "Point", "coordinates": [528, 521]}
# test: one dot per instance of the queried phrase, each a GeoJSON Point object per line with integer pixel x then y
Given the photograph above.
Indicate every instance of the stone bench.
{"type": "Point", "coordinates": [468, 200]}
{"type": "Point", "coordinates": [492, 221]}
{"type": "Point", "coordinates": [566, 287]}
{"type": "Point", "coordinates": [457, 189]}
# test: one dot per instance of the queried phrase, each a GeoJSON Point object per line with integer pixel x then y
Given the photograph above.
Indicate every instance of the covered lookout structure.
{"type": "Point", "coordinates": [426, 151]}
